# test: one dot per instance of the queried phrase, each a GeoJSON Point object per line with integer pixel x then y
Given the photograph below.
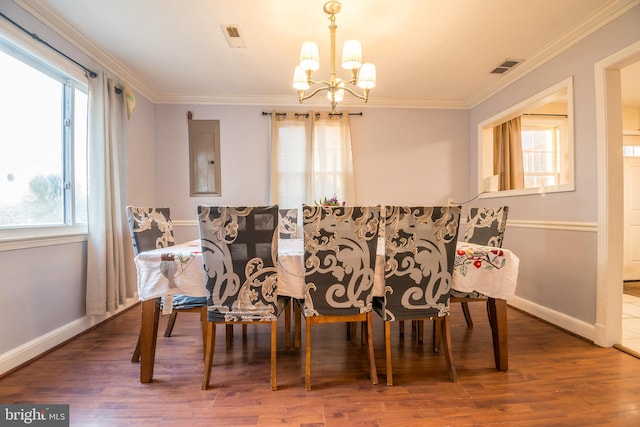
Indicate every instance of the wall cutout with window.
{"type": "Point", "coordinates": [528, 149]}
{"type": "Point", "coordinates": [43, 142]}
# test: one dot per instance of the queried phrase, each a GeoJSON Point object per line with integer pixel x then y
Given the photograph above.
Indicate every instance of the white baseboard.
{"type": "Point", "coordinates": [34, 348]}
{"type": "Point", "coordinates": [561, 320]}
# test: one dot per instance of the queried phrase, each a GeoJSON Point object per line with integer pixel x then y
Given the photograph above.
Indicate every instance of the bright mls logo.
{"type": "Point", "coordinates": [34, 415]}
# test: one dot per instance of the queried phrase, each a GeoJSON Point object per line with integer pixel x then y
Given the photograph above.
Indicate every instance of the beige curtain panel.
{"type": "Point", "coordinates": [507, 155]}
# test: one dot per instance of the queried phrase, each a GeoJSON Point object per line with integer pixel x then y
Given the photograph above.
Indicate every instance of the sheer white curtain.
{"type": "Point", "coordinates": [110, 277]}
{"type": "Point", "coordinates": [311, 158]}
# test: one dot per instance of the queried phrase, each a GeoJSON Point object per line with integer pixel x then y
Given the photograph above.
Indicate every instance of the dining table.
{"type": "Point", "coordinates": [178, 269]}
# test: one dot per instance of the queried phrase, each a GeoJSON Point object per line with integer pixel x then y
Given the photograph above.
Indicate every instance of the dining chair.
{"type": "Point", "coordinates": [420, 246]}
{"type": "Point", "coordinates": [151, 228]}
{"type": "Point", "coordinates": [485, 226]}
{"type": "Point", "coordinates": [288, 223]}
{"type": "Point", "coordinates": [339, 258]}
{"type": "Point", "coordinates": [239, 255]}
{"type": "Point", "coordinates": [287, 230]}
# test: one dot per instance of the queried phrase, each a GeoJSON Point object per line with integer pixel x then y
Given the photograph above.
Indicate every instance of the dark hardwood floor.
{"type": "Point", "coordinates": [555, 379]}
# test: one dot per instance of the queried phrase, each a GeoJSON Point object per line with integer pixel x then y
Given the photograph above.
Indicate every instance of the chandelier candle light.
{"type": "Point", "coordinates": [362, 75]}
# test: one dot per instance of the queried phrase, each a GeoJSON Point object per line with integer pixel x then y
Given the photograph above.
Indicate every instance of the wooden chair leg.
{"type": "Point", "coordinates": [446, 347]}
{"type": "Point", "coordinates": [401, 327]}
{"type": "Point", "coordinates": [229, 334]}
{"type": "Point", "coordinates": [353, 330]}
{"type": "Point", "coordinates": [274, 336]}
{"type": "Point", "coordinates": [307, 359]}
{"type": "Point", "coordinates": [387, 349]}
{"type": "Point", "coordinates": [171, 323]}
{"type": "Point", "coordinates": [244, 330]}
{"type": "Point", "coordinates": [208, 357]}
{"type": "Point", "coordinates": [373, 373]}
{"type": "Point", "coordinates": [297, 335]}
{"type": "Point", "coordinates": [135, 358]}
{"type": "Point", "coordinates": [287, 324]}
{"type": "Point", "coordinates": [204, 322]}
{"type": "Point", "coordinates": [498, 318]}
{"type": "Point", "coordinates": [467, 313]}
{"type": "Point", "coordinates": [437, 335]}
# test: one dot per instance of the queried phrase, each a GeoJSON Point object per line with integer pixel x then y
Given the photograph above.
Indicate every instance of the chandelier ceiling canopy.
{"type": "Point", "coordinates": [363, 75]}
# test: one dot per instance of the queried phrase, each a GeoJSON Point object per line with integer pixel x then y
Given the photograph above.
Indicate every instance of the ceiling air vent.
{"type": "Point", "coordinates": [506, 66]}
{"type": "Point", "coordinates": [232, 34]}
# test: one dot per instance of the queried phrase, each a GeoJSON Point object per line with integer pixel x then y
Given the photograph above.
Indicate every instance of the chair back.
{"type": "Point", "coordinates": [239, 252]}
{"type": "Point", "coordinates": [339, 257]}
{"type": "Point", "coordinates": [485, 226]}
{"type": "Point", "coordinates": [150, 228]}
{"type": "Point", "coordinates": [420, 247]}
{"type": "Point", "coordinates": [288, 223]}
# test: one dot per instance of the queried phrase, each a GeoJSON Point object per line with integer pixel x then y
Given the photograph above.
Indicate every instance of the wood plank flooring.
{"type": "Point", "coordinates": [555, 379]}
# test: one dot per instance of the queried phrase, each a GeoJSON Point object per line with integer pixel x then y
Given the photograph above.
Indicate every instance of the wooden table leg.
{"type": "Point", "coordinates": [148, 338]}
{"type": "Point", "coordinates": [497, 309]}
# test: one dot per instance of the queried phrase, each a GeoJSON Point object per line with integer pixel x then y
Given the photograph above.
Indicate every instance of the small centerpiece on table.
{"type": "Point", "coordinates": [329, 202]}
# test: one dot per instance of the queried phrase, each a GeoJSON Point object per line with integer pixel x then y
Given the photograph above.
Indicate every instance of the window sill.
{"type": "Point", "coordinates": [527, 191]}
{"type": "Point", "coordinates": [14, 239]}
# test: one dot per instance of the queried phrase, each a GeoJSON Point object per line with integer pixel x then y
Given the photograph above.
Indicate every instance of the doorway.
{"type": "Point", "coordinates": [630, 93]}
{"type": "Point", "coordinates": [610, 236]}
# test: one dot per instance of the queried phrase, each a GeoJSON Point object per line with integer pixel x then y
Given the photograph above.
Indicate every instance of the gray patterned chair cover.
{"type": "Point", "coordinates": [485, 226]}
{"type": "Point", "coordinates": [420, 246]}
{"type": "Point", "coordinates": [239, 255]}
{"type": "Point", "coordinates": [151, 228]}
{"type": "Point", "coordinates": [339, 257]}
{"type": "Point", "coordinates": [288, 223]}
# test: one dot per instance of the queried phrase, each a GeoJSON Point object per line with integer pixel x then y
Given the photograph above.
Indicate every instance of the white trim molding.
{"type": "Point", "coordinates": [40, 345]}
{"type": "Point", "coordinates": [590, 227]}
{"type": "Point", "coordinates": [554, 317]}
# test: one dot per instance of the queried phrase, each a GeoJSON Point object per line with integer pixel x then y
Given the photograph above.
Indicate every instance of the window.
{"type": "Point", "coordinates": [546, 140]}
{"type": "Point", "coordinates": [43, 158]}
{"type": "Point", "coordinates": [543, 148]}
{"type": "Point", "coordinates": [631, 151]}
{"type": "Point", "coordinates": [311, 158]}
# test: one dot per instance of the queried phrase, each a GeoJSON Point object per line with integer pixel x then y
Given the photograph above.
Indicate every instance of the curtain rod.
{"type": "Point", "coordinates": [89, 72]}
{"type": "Point", "coordinates": [546, 115]}
{"type": "Point", "coordinates": [306, 115]}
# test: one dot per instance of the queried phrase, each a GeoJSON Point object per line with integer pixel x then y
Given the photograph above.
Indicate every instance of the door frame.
{"type": "Point", "coordinates": [608, 327]}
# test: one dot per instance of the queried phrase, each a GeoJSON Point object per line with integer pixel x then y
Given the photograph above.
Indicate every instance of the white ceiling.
{"type": "Point", "coordinates": [427, 52]}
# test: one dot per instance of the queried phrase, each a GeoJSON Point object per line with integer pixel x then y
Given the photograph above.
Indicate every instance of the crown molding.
{"type": "Point", "coordinates": [612, 10]}
{"type": "Point", "coordinates": [292, 101]}
{"type": "Point", "coordinates": [57, 23]}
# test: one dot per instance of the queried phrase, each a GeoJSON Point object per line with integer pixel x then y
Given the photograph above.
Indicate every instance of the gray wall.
{"type": "Point", "coordinates": [558, 262]}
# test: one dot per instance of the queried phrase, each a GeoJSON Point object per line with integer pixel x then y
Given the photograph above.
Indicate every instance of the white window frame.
{"type": "Point", "coordinates": [558, 127]}
{"type": "Point", "coordinates": [32, 52]}
{"type": "Point", "coordinates": [485, 143]}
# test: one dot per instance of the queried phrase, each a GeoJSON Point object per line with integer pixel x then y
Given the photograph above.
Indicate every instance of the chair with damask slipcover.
{"type": "Point", "coordinates": [420, 245]}
{"type": "Point", "coordinates": [339, 258]}
{"type": "Point", "coordinates": [239, 255]}
{"type": "Point", "coordinates": [151, 228]}
{"type": "Point", "coordinates": [288, 229]}
{"type": "Point", "coordinates": [485, 226]}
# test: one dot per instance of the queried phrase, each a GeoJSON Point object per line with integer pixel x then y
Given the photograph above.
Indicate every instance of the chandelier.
{"type": "Point", "coordinates": [362, 75]}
